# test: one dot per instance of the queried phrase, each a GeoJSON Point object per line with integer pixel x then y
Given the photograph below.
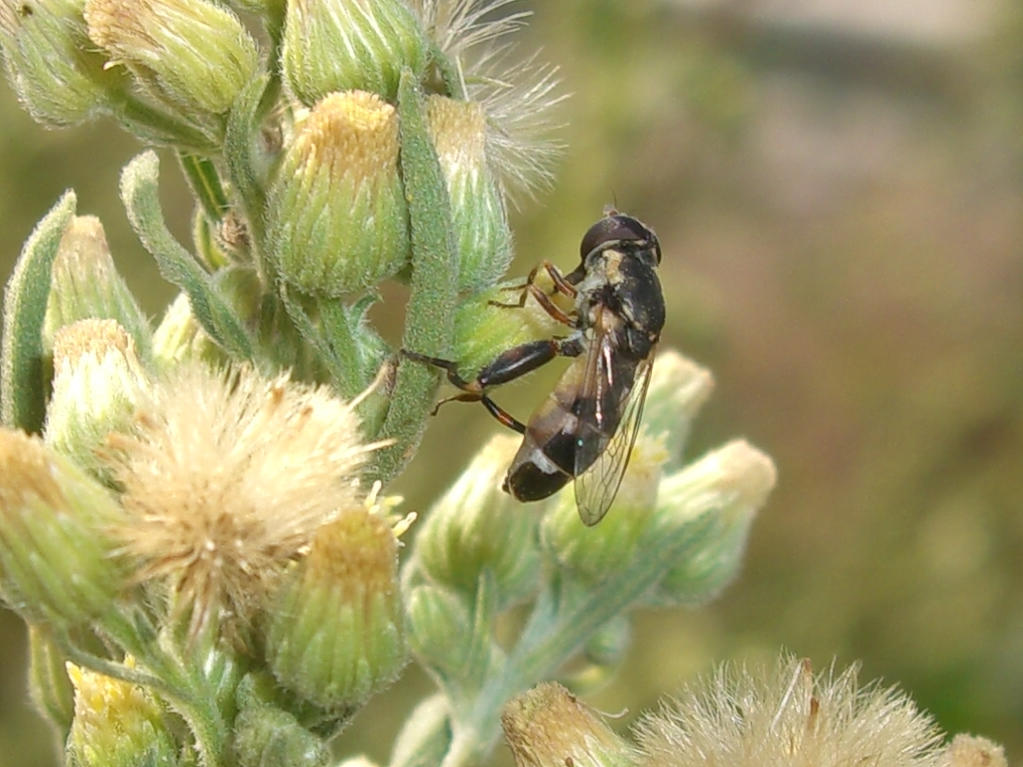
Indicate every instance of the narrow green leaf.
{"type": "Point", "coordinates": [204, 181]}
{"type": "Point", "coordinates": [22, 399]}
{"type": "Point", "coordinates": [139, 191]}
{"type": "Point", "coordinates": [429, 315]}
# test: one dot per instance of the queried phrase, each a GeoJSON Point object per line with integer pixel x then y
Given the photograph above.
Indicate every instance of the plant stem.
{"type": "Point", "coordinates": [564, 616]}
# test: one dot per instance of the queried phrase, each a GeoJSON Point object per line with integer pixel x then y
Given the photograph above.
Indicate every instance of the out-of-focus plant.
{"type": "Point", "coordinates": [193, 514]}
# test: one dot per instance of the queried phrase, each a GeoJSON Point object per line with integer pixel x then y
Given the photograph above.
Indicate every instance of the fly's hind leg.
{"type": "Point", "coordinates": [507, 366]}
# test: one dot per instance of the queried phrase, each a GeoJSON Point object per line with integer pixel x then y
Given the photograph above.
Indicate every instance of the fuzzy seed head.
{"type": "Point", "coordinates": [788, 717]}
{"type": "Point", "coordinates": [226, 478]}
{"type": "Point", "coordinates": [518, 96]}
{"type": "Point", "coordinates": [973, 751]}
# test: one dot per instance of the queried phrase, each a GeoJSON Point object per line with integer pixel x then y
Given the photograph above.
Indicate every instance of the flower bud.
{"type": "Point", "coordinates": [337, 45]}
{"type": "Point", "coordinates": [549, 726]}
{"type": "Point", "coordinates": [607, 646]}
{"type": "Point", "coordinates": [96, 384]}
{"type": "Point", "coordinates": [57, 563]}
{"type": "Point", "coordinates": [49, 61]}
{"type": "Point", "coordinates": [337, 219]}
{"type": "Point", "coordinates": [192, 53]}
{"type": "Point", "coordinates": [730, 484]}
{"type": "Point", "coordinates": [458, 130]}
{"type": "Point", "coordinates": [483, 330]}
{"type": "Point", "coordinates": [475, 525]}
{"type": "Point", "coordinates": [116, 724]}
{"type": "Point", "coordinates": [440, 628]}
{"type": "Point", "coordinates": [180, 337]}
{"type": "Point", "coordinates": [335, 635]}
{"type": "Point", "coordinates": [265, 736]}
{"type": "Point", "coordinates": [678, 389]}
{"type": "Point", "coordinates": [593, 552]}
{"type": "Point", "coordinates": [85, 284]}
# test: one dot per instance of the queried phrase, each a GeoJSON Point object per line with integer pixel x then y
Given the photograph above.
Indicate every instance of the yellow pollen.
{"type": "Point", "coordinates": [353, 132]}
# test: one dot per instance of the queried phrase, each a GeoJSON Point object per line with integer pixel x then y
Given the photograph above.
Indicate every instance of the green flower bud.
{"type": "Point", "coordinates": [116, 724]}
{"type": "Point", "coordinates": [730, 484]}
{"type": "Point", "coordinates": [337, 220]}
{"type": "Point", "coordinates": [475, 525]}
{"type": "Point", "coordinates": [607, 646]}
{"type": "Point", "coordinates": [482, 330]}
{"type": "Point", "coordinates": [86, 284]}
{"type": "Point", "coordinates": [338, 45]}
{"type": "Point", "coordinates": [440, 628]}
{"type": "Point", "coordinates": [458, 130]}
{"type": "Point", "coordinates": [50, 62]}
{"type": "Point", "coordinates": [603, 653]}
{"type": "Point", "coordinates": [268, 737]}
{"type": "Point", "coordinates": [193, 54]}
{"type": "Point", "coordinates": [96, 385]}
{"type": "Point", "coordinates": [549, 726]}
{"type": "Point", "coordinates": [57, 563]}
{"type": "Point", "coordinates": [593, 552]}
{"type": "Point", "coordinates": [335, 623]}
{"type": "Point", "coordinates": [678, 389]}
{"type": "Point", "coordinates": [180, 337]}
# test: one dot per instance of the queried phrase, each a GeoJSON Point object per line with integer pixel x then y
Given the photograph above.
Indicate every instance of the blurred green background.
{"type": "Point", "coordinates": [838, 189]}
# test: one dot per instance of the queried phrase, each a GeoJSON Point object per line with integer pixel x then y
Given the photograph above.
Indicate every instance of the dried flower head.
{"type": "Point", "coordinates": [226, 478]}
{"type": "Point", "coordinates": [788, 717]}
{"type": "Point", "coordinates": [549, 726]}
{"type": "Point", "coordinates": [518, 96]}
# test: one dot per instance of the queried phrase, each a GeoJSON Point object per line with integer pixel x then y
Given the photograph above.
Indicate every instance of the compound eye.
{"type": "Point", "coordinates": [615, 228]}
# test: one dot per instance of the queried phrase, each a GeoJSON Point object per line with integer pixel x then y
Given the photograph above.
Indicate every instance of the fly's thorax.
{"type": "Point", "coordinates": [639, 297]}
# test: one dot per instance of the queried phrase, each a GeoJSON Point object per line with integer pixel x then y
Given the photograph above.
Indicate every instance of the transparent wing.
{"type": "Point", "coordinates": [597, 485]}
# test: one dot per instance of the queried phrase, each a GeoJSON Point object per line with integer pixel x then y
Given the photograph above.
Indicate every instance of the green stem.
{"type": "Point", "coordinates": [243, 130]}
{"type": "Point", "coordinates": [564, 616]}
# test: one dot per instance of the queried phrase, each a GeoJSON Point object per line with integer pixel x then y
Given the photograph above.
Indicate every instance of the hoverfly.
{"type": "Point", "coordinates": [587, 426]}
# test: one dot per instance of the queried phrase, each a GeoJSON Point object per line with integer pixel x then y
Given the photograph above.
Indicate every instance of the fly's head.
{"type": "Point", "coordinates": [623, 233]}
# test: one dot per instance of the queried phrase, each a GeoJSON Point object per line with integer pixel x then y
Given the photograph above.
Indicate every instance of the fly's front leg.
{"type": "Point", "coordinates": [507, 366]}
{"type": "Point", "coordinates": [529, 288]}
